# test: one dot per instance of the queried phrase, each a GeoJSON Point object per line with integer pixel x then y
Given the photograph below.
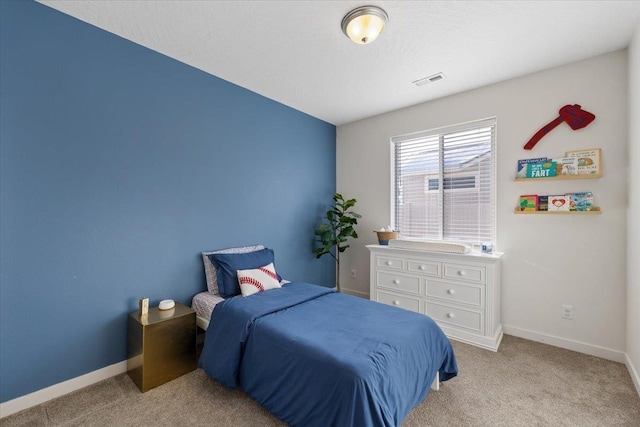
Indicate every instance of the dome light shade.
{"type": "Point", "coordinates": [364, 24]}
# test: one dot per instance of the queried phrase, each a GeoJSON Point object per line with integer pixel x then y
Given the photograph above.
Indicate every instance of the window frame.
{"type": "Point", "coordinates": [475, 124]}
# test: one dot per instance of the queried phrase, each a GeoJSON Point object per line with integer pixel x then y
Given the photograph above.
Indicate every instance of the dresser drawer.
{"type": "Point", "coordinates": [465, 272]}
{"type": "Point", "coordinates": [457, 317]}
{"type": "Point", "coordinates": [465, 294]}
{"type": "Point", "coordinates": [408, 303]}
{"type": "Point", "coordinates": [424, 267]}
{"type": "Point", "coordinates": [390, 263]}
{"type": "Point", "coordinates": [398, 281]}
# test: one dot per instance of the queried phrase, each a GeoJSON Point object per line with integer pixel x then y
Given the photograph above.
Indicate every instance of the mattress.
{"type": "Point", "coordinates": [203, 304]}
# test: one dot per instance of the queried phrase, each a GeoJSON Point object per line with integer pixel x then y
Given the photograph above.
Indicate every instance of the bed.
{"type": "Point", "coordinates": [203, 304]}
{"type": "Point", "coordinates": [315, 357]}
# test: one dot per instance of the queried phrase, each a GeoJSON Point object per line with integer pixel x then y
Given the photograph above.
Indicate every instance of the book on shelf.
{"type": "Point", "coordinates": [566, 166]}
{"type": "Point", "coordinates": [541, 170]}
{"type": "Point", "coordinates": [588, 160]}
{"type": "Point", "coordinates": [581, 201]}
{"type": "Point", "coordinates": [522, 165]}
{"type": "Point", "coordinates": [528, 202]}
{"type": "Point", "coordinates": [559, 203]}
{"type": "Point", "coordinates": [543, 203]}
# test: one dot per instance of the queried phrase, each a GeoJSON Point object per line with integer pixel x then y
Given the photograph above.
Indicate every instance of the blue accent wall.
{"type": "Point", "coordinates": [118, 167]}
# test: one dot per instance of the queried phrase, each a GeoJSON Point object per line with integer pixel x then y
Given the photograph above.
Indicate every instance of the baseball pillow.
{"type": "Point", "coordinates": [210, 270]}
{"type": "Point", "coordinates": [258, 280]}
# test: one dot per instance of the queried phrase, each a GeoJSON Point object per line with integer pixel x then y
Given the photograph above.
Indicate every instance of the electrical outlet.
{"type": "Point", "coordinates": [353, 274]}
{"type": "Point", "coordinates": [567, 311]}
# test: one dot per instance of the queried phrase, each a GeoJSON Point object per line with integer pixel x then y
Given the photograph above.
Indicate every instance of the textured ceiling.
{"type": "Point", "coordinates": [295, 53]}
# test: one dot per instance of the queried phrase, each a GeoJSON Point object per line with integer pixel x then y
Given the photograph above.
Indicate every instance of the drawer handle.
{"type": "Point", "coordinates": [396, 302]}
{"type": "Point", "coordinates": [451, 291]}
{"type": "Point", "coordinates": [396, 281]}
{"type": "Point", "coordinates": [451, 315]}
{"type": "Point", "coordinates": [422, 267]}
{"type": "Point", "coordinates": [462, 273]}
{"type": "Point", "coordinates": [388, 263]}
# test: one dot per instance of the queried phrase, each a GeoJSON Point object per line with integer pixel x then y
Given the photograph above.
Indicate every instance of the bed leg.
{"type": "Point", "coordinates": [435, 385]}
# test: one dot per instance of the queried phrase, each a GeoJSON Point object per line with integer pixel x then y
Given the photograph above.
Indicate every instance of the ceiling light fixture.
{"type": "Point", "coordinates": [364, 24]}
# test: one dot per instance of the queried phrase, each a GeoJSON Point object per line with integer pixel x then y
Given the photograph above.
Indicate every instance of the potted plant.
{"type": "Point", "coordinates": [333, 235]}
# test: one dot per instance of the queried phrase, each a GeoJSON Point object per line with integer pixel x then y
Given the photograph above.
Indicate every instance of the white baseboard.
{"type": "Point", "coordinates": [633, 372]}
{"type": "Point", "coordinates": [37, 397]}
{"type": "Point", "coordinates": [580, 347]}
{"type": "Point", "coordinates": [353, 292]}
{"type": "Point", "coordinates": [488, 343]}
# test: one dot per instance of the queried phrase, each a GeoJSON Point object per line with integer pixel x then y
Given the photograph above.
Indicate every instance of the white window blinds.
{"type": "Point", "coordinates": [444, 183]}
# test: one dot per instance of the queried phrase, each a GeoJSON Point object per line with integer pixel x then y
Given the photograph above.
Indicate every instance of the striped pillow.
{"type": "Point", "coordinates": [258, 280]}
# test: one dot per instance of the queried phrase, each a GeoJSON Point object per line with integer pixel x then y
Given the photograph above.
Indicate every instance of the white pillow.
{"type": "Point", "coordinates": [210, 271]}
{"type": "Point", "coordinates": [258, 280]}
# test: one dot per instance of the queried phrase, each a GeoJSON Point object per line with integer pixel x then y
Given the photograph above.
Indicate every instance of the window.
{"type": "Point", "coordinates": [444, 183]}
{"type": "Point", "coordinates": [453, 183]}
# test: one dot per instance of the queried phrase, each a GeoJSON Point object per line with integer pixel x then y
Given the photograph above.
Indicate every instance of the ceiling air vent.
{"type": "Point", "coordinates": [430, 79]}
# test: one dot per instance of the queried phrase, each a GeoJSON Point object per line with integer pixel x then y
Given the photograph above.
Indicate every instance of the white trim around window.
{"type": "Point", "coordinates": [451, 158]}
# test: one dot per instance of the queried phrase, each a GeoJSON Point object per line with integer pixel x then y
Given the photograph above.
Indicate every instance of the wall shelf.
{"type": "Point", "coordinates": [560, 177]}
{"type": "Point", "coordinates": [595, 211]}
{"type": "Point", "coordinates": [591, 157]}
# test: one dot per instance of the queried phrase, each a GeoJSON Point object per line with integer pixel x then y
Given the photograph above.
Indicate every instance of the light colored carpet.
{"type": "Point", "coordinates": [523, 384]}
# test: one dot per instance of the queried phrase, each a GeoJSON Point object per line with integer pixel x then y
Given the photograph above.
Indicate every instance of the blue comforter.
{"type": "Point", "coordinates": [315, 357]}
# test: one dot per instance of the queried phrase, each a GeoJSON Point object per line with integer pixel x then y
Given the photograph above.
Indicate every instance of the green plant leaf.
{"type": "Point", "coordinates": [327, 240]}
{"type": "Point", "coordinates": [347, 219]}
{"type": "Point", "coordinates": [323, 228]}
{"type": "Point", "coordinates": [319, 252]}
{"type": "Point", "coordinates": [349, 204]}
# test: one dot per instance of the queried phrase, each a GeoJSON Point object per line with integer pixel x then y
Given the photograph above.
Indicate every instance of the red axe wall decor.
{"type": "Point", "coordinates": [575, 117]}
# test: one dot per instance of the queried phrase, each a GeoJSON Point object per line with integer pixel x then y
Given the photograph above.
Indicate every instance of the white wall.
{"type": "Point", "coordinates": [549, 260]}
{"type": "Point", "coordinates": [633, 218]}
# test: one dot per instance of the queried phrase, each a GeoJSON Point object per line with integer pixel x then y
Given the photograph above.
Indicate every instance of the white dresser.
{"type": "Point", "coordinates": [461, 292]}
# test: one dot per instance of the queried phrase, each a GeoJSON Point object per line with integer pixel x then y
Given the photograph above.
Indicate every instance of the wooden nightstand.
{"type": "Point", "coordinates": [161, 345]}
